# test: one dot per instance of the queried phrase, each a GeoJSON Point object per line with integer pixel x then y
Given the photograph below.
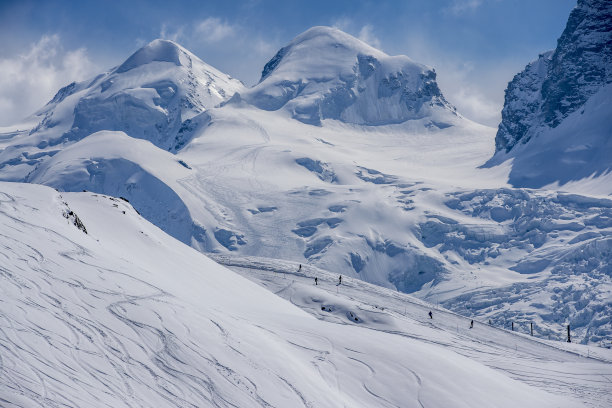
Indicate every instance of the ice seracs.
{"type": "Point", "coordinates": [325, 73]}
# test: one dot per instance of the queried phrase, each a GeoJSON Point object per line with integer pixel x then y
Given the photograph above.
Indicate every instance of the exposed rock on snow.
{"type": "Point", "coordinates": [559, 109]}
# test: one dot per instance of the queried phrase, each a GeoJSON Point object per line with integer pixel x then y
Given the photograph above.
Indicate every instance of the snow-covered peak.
{"type": "Point", "coordinates": [156, 50]}
{"type": "Point", "coordinates": [319, 52]}
{"type": "Point", "coordinates": [325, 73]}
{"type": "Point", "coordinates": [159, 94]}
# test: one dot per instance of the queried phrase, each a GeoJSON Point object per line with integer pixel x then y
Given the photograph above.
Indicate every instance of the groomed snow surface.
{"type": "Point", "coordinates": [99, 308]}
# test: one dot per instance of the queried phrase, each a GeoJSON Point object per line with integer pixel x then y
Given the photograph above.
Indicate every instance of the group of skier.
{"type": "Point", "coordinates": [316, 279]}
{"type": "Point", "coordinates": [471, 323]}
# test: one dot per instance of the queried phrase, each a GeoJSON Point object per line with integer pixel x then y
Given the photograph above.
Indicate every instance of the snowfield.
{"type": "Point", "coordinates": [98, 307]}
{"type": "Point", "coordinates": [349, 160]}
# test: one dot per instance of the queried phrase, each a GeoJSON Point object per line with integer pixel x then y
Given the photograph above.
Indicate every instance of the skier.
{"type": "Point", "coordinates": [300, 268]}
{"type": "Point", "coordinates": [430, 315]}
{"type": "Point", "coordinates": [316, 280]}
{"type": "Point", "coordinates": [471, 324]}
{"type": "Point", "coordinates": [340, 280]}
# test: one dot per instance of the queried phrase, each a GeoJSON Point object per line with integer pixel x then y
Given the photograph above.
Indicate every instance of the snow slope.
{"type": "Point", "coordinates": [110, 311]}
{"type": "Point", "coordinates": [398, 199]}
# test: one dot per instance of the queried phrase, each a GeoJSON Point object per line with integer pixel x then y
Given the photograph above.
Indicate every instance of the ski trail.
{"type": "Point", "coordinates": [533, 359]}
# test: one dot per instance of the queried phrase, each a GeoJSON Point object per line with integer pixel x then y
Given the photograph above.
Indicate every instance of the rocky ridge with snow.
{"type": "Point", "coordinates": [560, 81]}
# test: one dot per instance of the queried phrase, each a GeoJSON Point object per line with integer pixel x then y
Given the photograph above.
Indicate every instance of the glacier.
{"type": "Point", "coordinates": [349, 160]}
{"type": "Point", "coordinates": [123, 315]}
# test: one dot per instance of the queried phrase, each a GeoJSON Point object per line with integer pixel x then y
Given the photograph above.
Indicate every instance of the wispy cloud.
{"type": "Point", "coordinates": [31, 79]}
{"type": "Point", "coordinates": [208, 31]}
{"type": "Point", "coordinates": [366, 34]}
{"type": "Point", "coordinates": [476, 88]}
{"type": "Point", "coordinates": [342, 23]}
{"type": "Point", "coordinates": [213, 29]}
{"type": "Point", "coordinates": [175, 34]}
{"type": "Point", "coordinates": [462, 6]}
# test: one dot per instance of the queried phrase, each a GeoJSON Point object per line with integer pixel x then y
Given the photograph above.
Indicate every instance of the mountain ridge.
{"type": "Point", "coordinates": [553, 94]}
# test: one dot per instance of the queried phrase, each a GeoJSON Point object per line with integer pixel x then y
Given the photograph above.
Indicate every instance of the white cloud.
{"type": "Point", "coordinates": [30, 80]}
{"type": "Point", "coordinates": [475, 88]}
{"type": "Point", "coordinates": [172, 34]}
{"type": "Point", "coordinates": [342, 23]}
{"type": "Point", "coordinates": [463, 6]}
{"type": "Point", "coordinates": [214, 30]}
{"type": "Point", "coordinates": [475, 105]}
{"type": "Point", "coordinates": [366, 34]}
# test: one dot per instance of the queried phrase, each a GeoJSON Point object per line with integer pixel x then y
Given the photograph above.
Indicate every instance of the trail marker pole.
{"type": "Point", "coordinates": [512, 326]}
{"type": "Point", "coordinates": [531, 328]}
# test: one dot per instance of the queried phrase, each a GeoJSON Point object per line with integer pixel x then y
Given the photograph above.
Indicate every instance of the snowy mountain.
{"type": "Point", "coordinates": [100, 308]}
{"type": "Point", "coordinates": [325, 73]}
{"type": "Point", "coordinates": [158, 94]}
{"type": "Point", "coordinates": [559, 109]}
{"type": "Point", "coordinates": [388, 188]}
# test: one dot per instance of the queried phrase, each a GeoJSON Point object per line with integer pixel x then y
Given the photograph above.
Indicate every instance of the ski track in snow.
{"type": "Point", "coordinates": [85, 321]}
{"type": "Point", "coordinates": [533, 361]}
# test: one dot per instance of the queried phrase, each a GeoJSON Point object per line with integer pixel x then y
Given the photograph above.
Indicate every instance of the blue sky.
{"type": "Point", "coordinates": [476, 46]}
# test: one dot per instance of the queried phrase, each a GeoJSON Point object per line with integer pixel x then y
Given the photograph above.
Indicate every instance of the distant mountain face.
{"type": "Point", "coordinates": [325, 73]}
{"type": "Point", "coordinates": [155, 94]}
{"type": "Point", "coordinates": [561, 81]}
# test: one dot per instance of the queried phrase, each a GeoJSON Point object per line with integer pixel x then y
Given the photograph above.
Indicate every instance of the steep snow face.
{"type": "Point", "coordinates": [122, 315]}
{"type": "Point", "coordinates": [325, 73]}
{"type": "Point", "coordinates": [574, 156]}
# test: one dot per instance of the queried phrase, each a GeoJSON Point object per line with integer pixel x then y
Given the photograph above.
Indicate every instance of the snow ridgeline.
{"type": "Point", "coordinates": [127, 316]}
{"type": "Point", "coordinates": [325, 73]}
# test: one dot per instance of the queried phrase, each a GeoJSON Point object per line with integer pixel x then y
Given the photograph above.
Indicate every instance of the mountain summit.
{"type": "Point", "coordinates": [154, 95]}
{"type": "Point", "coordinates": [325, 73]}
{"type": "Point", "coordinates": [558, 110]}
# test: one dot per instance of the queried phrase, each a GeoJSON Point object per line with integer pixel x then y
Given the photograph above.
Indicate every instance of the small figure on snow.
{"type": "Point", "coordinates": [316, 280]}
{"type": "Point", "coordinates": [340, 280]}
{"type": "Point", "coordinates": [430, 315]}
{"type": "Point", "coordinates": [471, 324]}
{"type": "Point", "coordinates": [300, 268]}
